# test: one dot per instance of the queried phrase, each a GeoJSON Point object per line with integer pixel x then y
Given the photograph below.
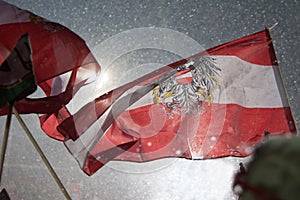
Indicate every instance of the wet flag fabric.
{"type": "Point", "coordinates": [214, 104]}
{"type": "Point", "coordinates": [16, 73]}
{"type": "Point", "coordinates": [59, 55]}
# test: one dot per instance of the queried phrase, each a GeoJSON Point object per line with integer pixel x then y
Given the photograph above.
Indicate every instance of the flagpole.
{"type": "Point", "coordinates": [5, 139]}
{"type": "Point", "coordinates": [42, 155]}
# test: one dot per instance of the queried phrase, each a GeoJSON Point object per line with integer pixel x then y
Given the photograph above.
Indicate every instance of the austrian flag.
{"type": "Point", "coordinates": [209, 105]}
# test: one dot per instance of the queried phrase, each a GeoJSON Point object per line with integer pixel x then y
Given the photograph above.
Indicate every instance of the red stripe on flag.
{"type": "Point", "coordinates": [223, 130]}
{"type": "Point", "coordinates": [254, 48]}
{"type": "Point", "coordinates": [184, 80]}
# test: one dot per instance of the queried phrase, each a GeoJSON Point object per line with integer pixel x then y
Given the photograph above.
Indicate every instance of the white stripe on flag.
{"type": "Point", "coordinates": [243, 83]}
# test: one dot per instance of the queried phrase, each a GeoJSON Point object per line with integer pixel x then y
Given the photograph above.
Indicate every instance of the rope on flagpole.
{"type": "Point", "coordinates": [5, 139]}
{"type": "Point", "coordinates": [42, 155]}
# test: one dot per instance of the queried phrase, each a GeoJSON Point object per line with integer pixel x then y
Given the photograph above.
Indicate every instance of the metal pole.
{"type": "Point", "coordinates": [5, 139]}
{"type": "Point", "coordinates": [42, 155]}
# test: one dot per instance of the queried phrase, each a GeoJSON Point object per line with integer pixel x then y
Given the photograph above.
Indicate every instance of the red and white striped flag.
{"type": "Point", "coordinates": [206, 106]}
